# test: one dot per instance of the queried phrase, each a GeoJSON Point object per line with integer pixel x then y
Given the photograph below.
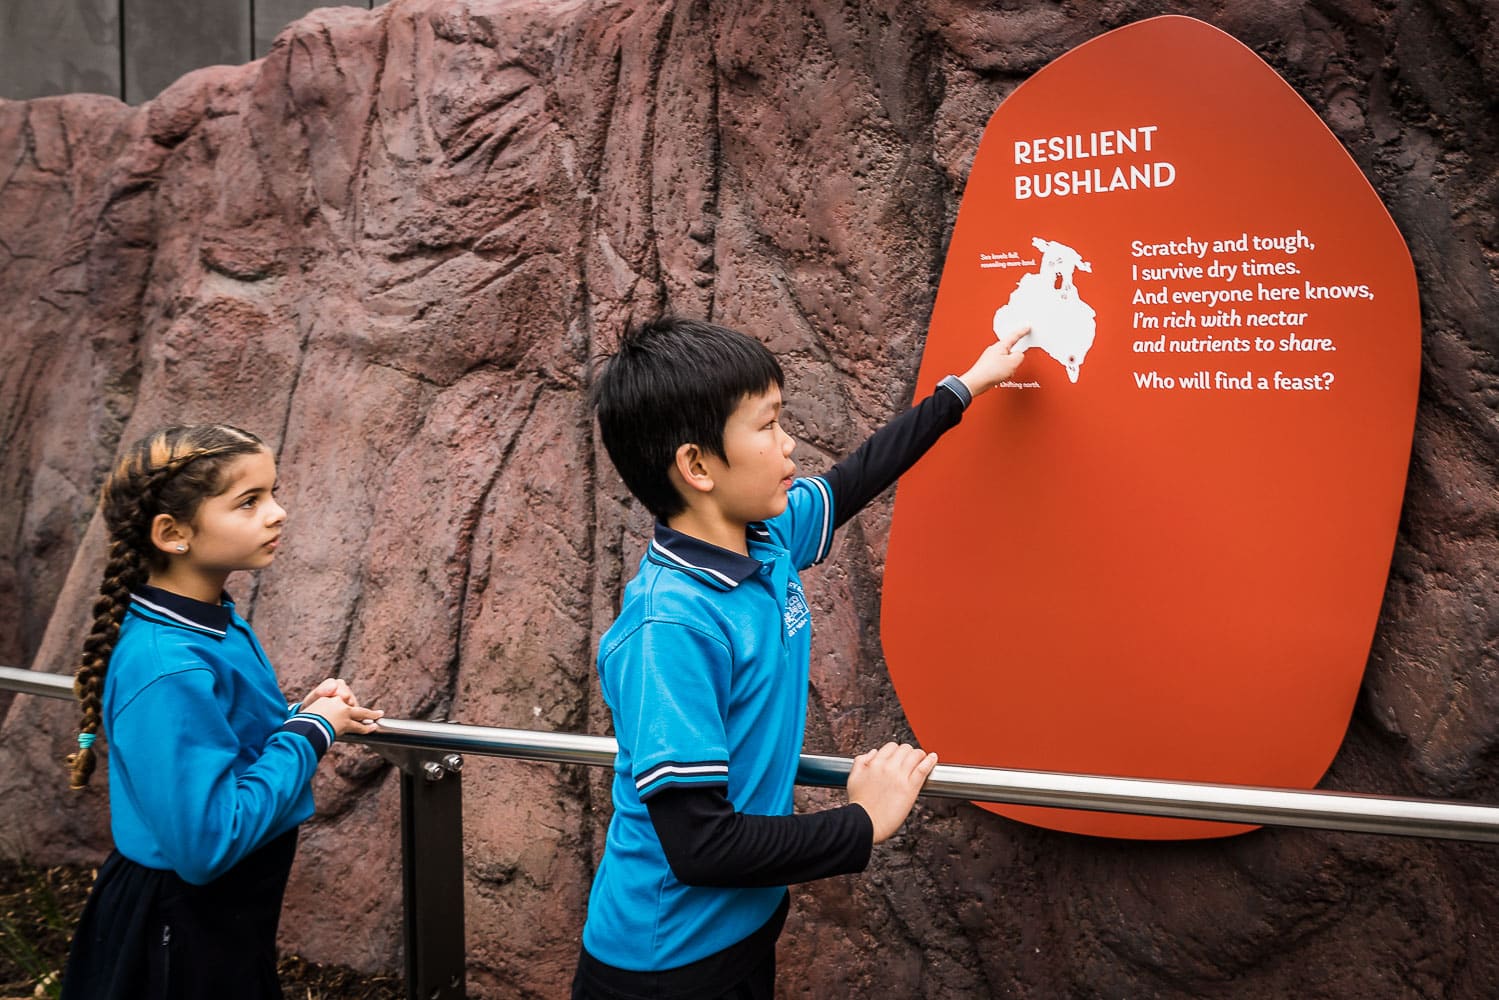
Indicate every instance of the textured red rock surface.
{"type": "Point", "coordinates": [392, 247]}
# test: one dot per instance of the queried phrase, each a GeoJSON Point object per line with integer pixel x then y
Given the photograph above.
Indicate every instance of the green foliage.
{"type": "Point", "coordinates": [38, 910]}
{"type": "Point", "coordinates": [39, 907]}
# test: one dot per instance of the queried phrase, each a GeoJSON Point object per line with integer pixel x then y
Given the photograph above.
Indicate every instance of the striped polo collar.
{"type": "Point", "coordinates": [716, 566]}
{"type": "Point", "coordinates": [174, 609]}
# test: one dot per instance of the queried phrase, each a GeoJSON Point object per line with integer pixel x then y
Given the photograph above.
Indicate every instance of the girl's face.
{"type": "Point", "coordinates": [239, 528]}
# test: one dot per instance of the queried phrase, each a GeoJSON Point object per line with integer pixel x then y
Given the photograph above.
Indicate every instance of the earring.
{"type": "Point", "coordinates": [182, 548]}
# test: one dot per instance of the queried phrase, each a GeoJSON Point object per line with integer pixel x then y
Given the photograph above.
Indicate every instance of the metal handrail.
{"type": "Point", "coordinates": [37, 683]}
{"type": "Point", "coordinates": [1178, 799]}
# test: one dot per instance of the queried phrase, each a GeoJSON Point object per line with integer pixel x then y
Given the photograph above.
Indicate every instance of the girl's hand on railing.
{"type": "Point", "coordinates": [333, 687]}
{"type": "Point", "coordinates": [345, 719]}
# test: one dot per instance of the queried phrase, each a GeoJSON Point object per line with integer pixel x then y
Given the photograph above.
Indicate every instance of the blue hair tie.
{"type": "Point", "coordinates": [85, 740]}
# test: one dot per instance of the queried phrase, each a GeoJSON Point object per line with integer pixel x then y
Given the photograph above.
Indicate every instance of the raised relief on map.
{"type": "Point", "coordinates": [1061, 323]}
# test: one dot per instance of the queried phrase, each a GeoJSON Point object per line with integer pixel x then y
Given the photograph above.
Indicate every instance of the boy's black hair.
{"type": "Point", "coordinates": [673, 382]}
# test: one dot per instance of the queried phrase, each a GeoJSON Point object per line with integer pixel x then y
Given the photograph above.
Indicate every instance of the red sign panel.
{"type": "Point", "coordinates": [1161, 549]}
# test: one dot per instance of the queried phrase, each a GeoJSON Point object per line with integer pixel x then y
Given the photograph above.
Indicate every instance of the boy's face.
{"type": "Point", "coordinates": [751, 485]}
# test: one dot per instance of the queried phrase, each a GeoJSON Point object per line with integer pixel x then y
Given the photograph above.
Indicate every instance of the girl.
{"type": "Point", "coordinates": [210, 771]}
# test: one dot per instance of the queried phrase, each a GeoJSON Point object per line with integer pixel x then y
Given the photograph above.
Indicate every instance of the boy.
{"type": "Point", "coordinates": [706, 668]}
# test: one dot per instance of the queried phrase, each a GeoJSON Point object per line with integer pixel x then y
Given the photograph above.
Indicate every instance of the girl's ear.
{"type": "Point", "coordinates": [691, 468]}
{"type": "Point", "coordinates": [169, 535]}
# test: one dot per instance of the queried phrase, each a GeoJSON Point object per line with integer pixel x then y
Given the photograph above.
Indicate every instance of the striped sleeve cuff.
{"type": "Point", "coordinates": [314, 728]}
{"type": "Point", "coordinates": [955, 385]}
{"type": "Point", "coordinates": [674, 774]}
{"type": "Point", "coordinates": [825, 532]}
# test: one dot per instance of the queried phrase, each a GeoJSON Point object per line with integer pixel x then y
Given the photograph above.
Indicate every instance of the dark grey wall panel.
{"type": "Point", "coordinates": [59, 47]}
{"type": "Point", "coordinates": [165, 39]}
{"type": "Point", "coordinates": [71, 46]}
{"type": "Point", "coordinates": [273, 15]}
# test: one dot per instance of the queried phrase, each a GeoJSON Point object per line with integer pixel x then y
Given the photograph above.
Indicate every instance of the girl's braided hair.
{"type": "Point", "coordinates": [171, 471]}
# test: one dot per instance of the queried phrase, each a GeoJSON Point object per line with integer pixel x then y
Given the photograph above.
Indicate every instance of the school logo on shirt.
{"type": "Point", "coordinates": [797, 613]}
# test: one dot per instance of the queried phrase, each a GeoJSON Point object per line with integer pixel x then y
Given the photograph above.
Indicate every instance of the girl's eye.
{"type": "Point", "coordinates": [249, 502]}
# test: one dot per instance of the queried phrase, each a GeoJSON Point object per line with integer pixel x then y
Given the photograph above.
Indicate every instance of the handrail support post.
{"type": "Point", "coordinates": [431, 872]}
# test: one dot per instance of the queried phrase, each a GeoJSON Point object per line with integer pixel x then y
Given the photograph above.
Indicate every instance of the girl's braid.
{"type": "Point", "coordinates": [125, 571]}
{"type": "Point", "coordinates": [132, 499]}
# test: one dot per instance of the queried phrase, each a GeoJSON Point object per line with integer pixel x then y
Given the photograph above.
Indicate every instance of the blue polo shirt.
{"type": "Point", "coordinates": [207, 762]}
{"type": "Point", "coordinates": [705, 671]}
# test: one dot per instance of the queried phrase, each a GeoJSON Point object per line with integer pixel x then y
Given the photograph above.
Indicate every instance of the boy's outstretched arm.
{"type": "Point", "coordinates": [894, 448]}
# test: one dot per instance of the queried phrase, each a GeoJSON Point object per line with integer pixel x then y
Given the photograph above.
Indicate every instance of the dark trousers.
{"type": "Point", "coordinates": [146, 934]}
{"type": "Point", "coordinates": [743, 971]}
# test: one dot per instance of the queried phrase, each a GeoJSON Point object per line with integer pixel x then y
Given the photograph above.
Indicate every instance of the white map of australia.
{"type": "Point", "coordinates": [1061, 323]}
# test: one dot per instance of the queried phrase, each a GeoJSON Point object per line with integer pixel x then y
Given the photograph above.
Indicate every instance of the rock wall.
{"type": "Point", "coordinates": [392, 248]}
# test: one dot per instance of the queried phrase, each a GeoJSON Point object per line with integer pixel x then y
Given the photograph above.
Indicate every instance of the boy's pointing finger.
{"type": "Point", "coordinates": [1010, 339]}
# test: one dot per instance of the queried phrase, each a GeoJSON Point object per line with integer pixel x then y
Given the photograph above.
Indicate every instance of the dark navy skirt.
{"type": "Point", "coordinates": [146, 934]}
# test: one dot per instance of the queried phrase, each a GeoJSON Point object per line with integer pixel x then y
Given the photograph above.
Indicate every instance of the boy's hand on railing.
{"type": "Point", "coordinates": [885, 783]}
{"type": "Point", "coordinates": [345, 718]}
